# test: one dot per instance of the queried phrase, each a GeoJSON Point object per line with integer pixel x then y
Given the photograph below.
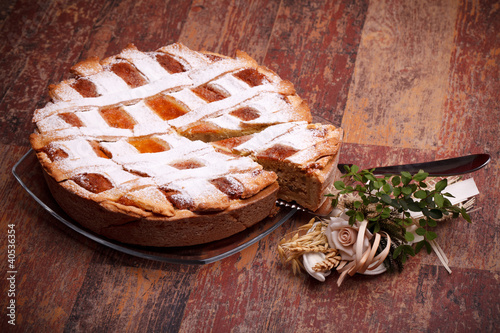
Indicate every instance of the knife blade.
{"type": "Point", "coordinates": [446, 167]}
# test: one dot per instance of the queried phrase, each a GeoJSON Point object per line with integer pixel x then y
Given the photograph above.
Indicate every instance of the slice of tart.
{"type": "Point", "coordinates": [304, 156]}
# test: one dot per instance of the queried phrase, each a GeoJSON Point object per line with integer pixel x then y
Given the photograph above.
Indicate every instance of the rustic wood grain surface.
{"type": "Point", "coordinates": [408, 81]}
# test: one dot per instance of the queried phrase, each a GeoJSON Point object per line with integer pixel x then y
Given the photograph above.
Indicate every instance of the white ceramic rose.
{"type": "Point", "coordinates": [343, 237]}
{"type": "Point", "coordinates": [310, 260]}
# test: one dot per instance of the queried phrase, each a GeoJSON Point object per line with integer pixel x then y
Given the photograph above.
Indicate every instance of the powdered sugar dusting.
{"type": "Point", "coordinates": [229, 84]}
{"type": "Point", "coordinates": [270, 105]}
{"type": "Point", "coordinates": [108, 83]}
{"type": "Point", "coordinates": [145, 64]}
{"type": "Point", "coordinates": [265, 139]}
{"type": "Point", "coordinates": [148, 157]}
{"type": "Point", "coordinates": [188, 98]}
{"type": "Point", "coordinates": [64, 92]}
{"type": "Point", "coordinates": [186, 56]}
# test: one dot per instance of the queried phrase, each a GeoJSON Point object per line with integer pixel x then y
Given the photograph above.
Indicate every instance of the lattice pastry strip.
{"type": "Point", "coordinates": [143, 62]}
{"type": "Point", "coordinates": [188, 58]}
{"type": "Point", "coordinates": [280, 143]}
{"type": "Point", "coordinates": [262, 110]}
{"type": "Point", "coordinates": [149, 199]}
{"type": "Point", "coordinates": [127, 152]}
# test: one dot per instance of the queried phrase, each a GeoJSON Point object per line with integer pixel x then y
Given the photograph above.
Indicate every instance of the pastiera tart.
{"type": "Point", "coordinates": [177, 147]}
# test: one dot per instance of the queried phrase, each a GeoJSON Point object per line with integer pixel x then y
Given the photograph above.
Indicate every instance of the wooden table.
{"type": "Point", "coordinates": [408, 81]}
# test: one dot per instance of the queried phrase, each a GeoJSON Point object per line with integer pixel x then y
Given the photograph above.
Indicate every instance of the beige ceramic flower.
{"type": "Point", "coordinates": [309, 260]}
{"type": "Point", "coordinates": [342, 236]}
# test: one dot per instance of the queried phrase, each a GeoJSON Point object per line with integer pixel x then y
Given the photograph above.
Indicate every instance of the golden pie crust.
{"type": "Point", "coordinates": [177, 147]}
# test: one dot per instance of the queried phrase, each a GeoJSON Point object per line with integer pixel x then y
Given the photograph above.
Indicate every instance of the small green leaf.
{"type": "Point", "coordinates": [386, 213]}
{"type": "Point", "coordinates": [397, 251]}
{"type": "Point", "coordinates": [420, 176]}
{"type": "Point", "coordinates": [409, 250]}
{"type": "Point", "coordinates": [439, 199]}
{"type": "Point", "coordinates": [441, 185]}
{"type": "Point", "coordinates": [406, 190]}
{"type": "Point", "coordinates": [354, 169]}
{"type": "Point", "coordinates": [405, 177]}
{"type": "Point", "coordinates": [427, 246]}
{"type": "Point", "coordinates": [406, 174]}
{"type": "Point", "coordinates": [409, 237]}
{"type": "Point", "coordinates": [339, 185]}
{"type": "Point", "coordinates": [403, 204]}
{"type": "Point", "coordinates": [357, 204]}
{"type": "Point", "coordinates": [465, 215]}
{"type": "Point", "coordinates": [396, 180]}
{"type": "Point", "coordinates": [371, 177]}
{"type": "Point", "coordinates": [419, 246]}
{"type": "Point", "coordinates": [395, 204]}
{"type": "Point", "coordinates": [359, 188]}
{"type": "Point", "coordinates": [431, 222]}
{"type": "Point", "coordinates": [420, 194]}
{"type": "Point", "coordinates": [420, 231]}
{"type": "Point", "coordinates": [387, 188]}
{"type": "Point", "coordinates": [405, 180]}
{"type": "Point", "coordinates": [350, 212]}
{"type": "Point", "coordinates": [386, 198]}
{"type": "Point", "coordinates": [414, 207]}
{"type": "Point", "coordinates": [358, 178]}
{"type": "Point", "coordinates": [430, 235]}
{"type": "Point", "coordinates": [360, 216]}
{"type": "Point", "coordinates": [435, 214]}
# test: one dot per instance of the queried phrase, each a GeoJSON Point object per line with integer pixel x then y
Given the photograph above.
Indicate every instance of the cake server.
{"type": "Point", "coordinates": [447, 167]}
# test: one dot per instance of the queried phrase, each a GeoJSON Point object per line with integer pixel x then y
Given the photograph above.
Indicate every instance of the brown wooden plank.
{"type": "Point", "coordinates": [147, 24]}
{"type": "Point", "coordinates": [465, 301]}
{"type": "Point", "coordinates": [227, 26]}
{"type": "Point", "coordinates": [250, 291]}
{"type": "Point", "coordinates": [314, 45]}
{"type": "Point", "coordinates": [50, 262]}
{"type": "Point", "coordinates": [369, 156]}
{"type": "Point", "coordinates": [471, 125]}
{"type": "Point", "coordinates": [123, 293]}
{"type": "Point", "coordinates": [401, 75]}
{"type": "Point", "coordinates": [42, 43]}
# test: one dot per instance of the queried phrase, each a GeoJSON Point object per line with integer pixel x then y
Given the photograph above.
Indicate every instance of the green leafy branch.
{"type": "Point", "coordinates": [386, 202]}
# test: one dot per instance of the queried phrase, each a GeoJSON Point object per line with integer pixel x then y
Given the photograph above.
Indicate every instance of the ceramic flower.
{"type": "Point", "coordinates": [310, 260]}
{"type": "Point", "coordinates": [343, 236]}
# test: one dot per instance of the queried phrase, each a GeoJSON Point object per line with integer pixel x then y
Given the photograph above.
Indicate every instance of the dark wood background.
{"type": "Point", "coordinates": [408, 81]}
